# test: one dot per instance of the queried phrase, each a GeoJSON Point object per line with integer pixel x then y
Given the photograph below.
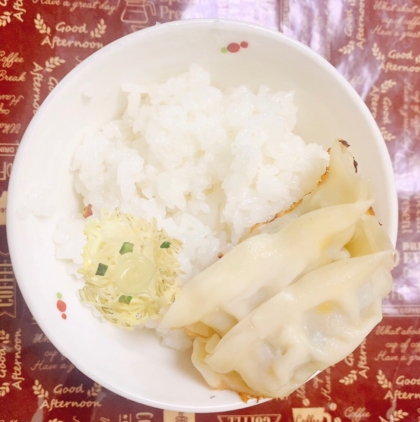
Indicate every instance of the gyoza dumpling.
{"type": "Point", "coordinates": [311, 324]}
{"type": "Point", "coordinates": [295, 297]}
{"type": "Point", "coordinates": [262, 265]}
{"type": "Point", "coordinates": [277, 252]}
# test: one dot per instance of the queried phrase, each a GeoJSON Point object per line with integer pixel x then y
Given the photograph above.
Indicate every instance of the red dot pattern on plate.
{"type": "Point", "coordinates": [61, 305]}
{"type": "Point", "coordinates": [234, 47]}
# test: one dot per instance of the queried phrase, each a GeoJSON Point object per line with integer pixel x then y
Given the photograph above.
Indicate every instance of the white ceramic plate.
{"type": "Point", "coordinates": [132, 364]}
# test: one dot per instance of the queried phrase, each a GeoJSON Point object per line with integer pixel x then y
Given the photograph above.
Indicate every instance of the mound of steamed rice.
{"type": "Point", "coordinates": [207, 164]}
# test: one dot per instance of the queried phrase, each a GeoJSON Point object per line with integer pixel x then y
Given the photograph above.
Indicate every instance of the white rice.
{"type": "Point", "coordinates": [208, 164]}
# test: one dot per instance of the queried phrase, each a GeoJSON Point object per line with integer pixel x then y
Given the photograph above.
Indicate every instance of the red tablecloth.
{"type": "Point", "coordinates": [375, 45]}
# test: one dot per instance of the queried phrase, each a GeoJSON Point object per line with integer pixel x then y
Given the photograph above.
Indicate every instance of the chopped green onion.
{"type": "Point", "coordinates": [101, 269]}
{"type": "Point", "coordinates": [126, 248]}
{"type": "Point", "coordinates": [165, 245]}
{"type": "Point", "coordinates": [125, 299]}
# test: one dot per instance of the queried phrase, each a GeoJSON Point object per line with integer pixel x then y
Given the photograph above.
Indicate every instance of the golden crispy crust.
{"type": "Point", "coordinates": [294, 205]}
{"type": "Point", "coordinates": [246, 397]}
{"type": "Point", "coordinates": [297, 203]}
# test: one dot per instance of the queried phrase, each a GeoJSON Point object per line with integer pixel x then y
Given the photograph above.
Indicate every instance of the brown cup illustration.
{"type": "Point", "coordinates": [311, 414]}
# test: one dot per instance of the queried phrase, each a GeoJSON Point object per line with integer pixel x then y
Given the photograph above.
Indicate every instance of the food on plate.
{"type": "Point", "coordinates": [296, 296]}
{"type": "Point", "coordinates": [207, 163]}
{"type": "Point", "coordinates": [199, 224]}
{"type": "Point", "coordinates": [130, 267]}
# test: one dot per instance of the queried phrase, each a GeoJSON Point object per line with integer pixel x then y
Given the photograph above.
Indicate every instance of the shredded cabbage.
{"type": "Point", "coordinates": [102, 250]}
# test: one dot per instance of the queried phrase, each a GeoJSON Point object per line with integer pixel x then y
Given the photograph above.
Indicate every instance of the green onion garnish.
{"type": "Point", "coordinates": [165, 245]}
{"type": "Point", "coordinates": [126, 248]}
{"type": "Point", "coordinates": [101, 269]}
{"type": "Point", "coordinates": [125, 299]}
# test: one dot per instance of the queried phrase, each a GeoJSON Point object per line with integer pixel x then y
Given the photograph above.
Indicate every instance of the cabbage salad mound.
{"type": "Point", "coordinates": [130, 268]}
